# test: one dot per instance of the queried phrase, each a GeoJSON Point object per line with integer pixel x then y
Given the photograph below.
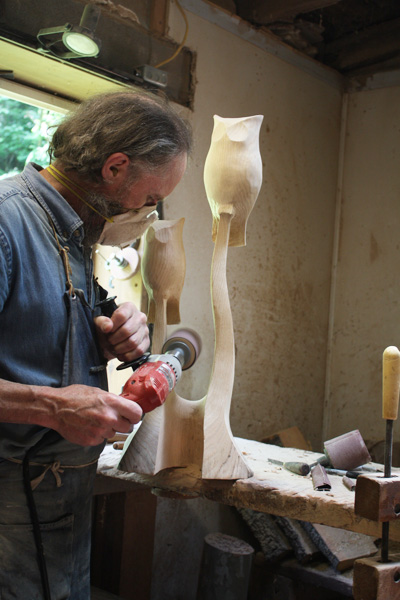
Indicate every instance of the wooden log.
{"type": "Point", "coordinates": [225, 569]}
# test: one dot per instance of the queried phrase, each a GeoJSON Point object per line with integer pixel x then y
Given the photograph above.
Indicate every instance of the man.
{"type": "Point", "coordinates": [114, 158]}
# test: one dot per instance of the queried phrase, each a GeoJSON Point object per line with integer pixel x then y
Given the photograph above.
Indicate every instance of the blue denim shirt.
{"type": "Point", "coordinates": [32, 285]}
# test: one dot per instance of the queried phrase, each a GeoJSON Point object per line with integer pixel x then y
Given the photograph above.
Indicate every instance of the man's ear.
{"type": "Point", "coordinates": [115, 167]}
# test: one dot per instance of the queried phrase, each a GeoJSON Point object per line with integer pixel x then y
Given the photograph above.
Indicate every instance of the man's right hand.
{"type": "Point", "coordinates": [82, 414]}
{"type": "Point", "coordinates": [86, 415]}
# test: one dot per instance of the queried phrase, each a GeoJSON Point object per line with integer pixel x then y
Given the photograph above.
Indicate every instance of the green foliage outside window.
{"type": "Point", "coordinates": [25, 132]}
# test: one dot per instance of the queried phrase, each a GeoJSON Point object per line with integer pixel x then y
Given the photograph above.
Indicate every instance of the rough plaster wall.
{"type": "Point", "coordinates": [366, 318]}
{"type": "Point", "coordinates": [280, 282]}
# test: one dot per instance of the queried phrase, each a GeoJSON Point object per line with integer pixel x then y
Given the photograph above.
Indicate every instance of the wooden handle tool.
{"type": "Point", "coordinates": [299, 468]}
{"type": "Point", "coordinates": [390, 405]}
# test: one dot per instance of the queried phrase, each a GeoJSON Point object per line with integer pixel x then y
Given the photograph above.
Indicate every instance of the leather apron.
{"type": "Point", "coordinates": [62, 476]}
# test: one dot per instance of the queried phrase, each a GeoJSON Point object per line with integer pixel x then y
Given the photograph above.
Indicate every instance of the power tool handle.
{"type": "Point", "coordinates": [107, 306]}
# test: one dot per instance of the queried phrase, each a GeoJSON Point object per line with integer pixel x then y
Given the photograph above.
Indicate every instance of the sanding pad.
{"type": "Point", "coordinates": [189, 341]}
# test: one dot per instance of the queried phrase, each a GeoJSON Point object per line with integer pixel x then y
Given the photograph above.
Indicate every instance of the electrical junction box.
{"type": "Point", "coordinates": [153, 75]}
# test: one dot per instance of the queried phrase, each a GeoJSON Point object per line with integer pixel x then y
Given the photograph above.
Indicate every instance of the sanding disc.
{"type": "Point", "coordinates": [130, 263]}
{"type": "Point", "coordinates": [187, 339]}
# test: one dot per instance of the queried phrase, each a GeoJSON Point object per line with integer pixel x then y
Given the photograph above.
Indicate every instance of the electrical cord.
{"type": "Point", "coordinates": [175, 54]}
{"type": "Point", "coordinates": [48, 438]}
{"type": "Point", "coordinates": [36, 526]}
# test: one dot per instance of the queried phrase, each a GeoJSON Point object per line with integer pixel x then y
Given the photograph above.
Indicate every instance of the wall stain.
{"type": "Point", "coordinates": [373, 248]}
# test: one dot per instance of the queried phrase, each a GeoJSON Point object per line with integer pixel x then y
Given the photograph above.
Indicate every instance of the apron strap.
{"type": "Point", "coordinates": [63, 251]}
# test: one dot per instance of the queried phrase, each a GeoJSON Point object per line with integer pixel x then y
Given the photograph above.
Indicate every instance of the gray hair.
{"type": "Point", "coordinates": [141, 125]}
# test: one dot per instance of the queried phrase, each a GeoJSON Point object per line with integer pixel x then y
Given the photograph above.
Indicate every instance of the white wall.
{"type": "Point", "coordinates": [366, 317]}
{"type": "Point", "coordinates": [280, 282]}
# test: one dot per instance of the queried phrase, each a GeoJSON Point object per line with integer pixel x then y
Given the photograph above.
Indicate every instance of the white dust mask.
{"type": "Point", "coordinates": [127, 227]}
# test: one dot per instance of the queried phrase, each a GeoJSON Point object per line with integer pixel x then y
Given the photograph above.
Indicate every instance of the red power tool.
{"type": "Point", "coordinates": [155, 378]}
{"type": "Point", "coordinates": [156, 375]}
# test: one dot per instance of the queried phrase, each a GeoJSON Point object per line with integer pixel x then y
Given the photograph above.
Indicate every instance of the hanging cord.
{"type": "Point", "coordinates": [175, 54]}
{"type": "Point", "coordinates": [47, 438]}
{"type": "Point", "coordinates": [36, 528]}
{"type": "Point", "coordinates": [65, 181]}
{"type": "Point", "coordinates": [30, 486]}
{"type": "Point", "coordinates": [63, 251]}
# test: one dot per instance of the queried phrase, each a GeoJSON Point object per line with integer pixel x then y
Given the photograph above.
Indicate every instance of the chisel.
{"type": "Point", "coordinates": [295, 467]}
{"type": "Point", "coordinates": [390, 405]}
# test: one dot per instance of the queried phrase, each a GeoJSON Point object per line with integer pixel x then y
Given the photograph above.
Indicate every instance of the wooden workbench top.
{"type": "Point", "coordinates": [272, 489]}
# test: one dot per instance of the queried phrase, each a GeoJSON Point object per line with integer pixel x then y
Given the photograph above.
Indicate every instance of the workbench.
{"type": "Point", "coordinates": [125, 506]}
{"type": "Point", "coordinates": [272, 489]}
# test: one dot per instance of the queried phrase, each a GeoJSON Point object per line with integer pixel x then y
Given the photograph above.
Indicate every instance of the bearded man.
{"type": "Point", "coordinates": [113, 159]}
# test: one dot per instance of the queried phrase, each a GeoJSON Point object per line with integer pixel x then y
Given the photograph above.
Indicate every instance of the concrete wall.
{"type": "Point", "coordinates": [280, 282]}
{"type": "Point", "coordinates": [367, 289]}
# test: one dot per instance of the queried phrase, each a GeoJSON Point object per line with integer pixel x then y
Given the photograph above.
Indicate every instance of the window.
{"type": "Point", "coordinates": [26, 120]}
{"type": "Point", "coordinates": [25, 134]}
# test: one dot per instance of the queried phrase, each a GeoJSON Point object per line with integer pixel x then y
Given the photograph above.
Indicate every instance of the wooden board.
{"type": "Point", "coordinates": [271, 489]}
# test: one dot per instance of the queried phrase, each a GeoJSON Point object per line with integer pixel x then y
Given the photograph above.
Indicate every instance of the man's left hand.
{"type": "Point", "coordinates": [125, 334]}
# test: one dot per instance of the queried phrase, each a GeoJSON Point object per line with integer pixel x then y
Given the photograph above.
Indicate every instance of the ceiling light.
{"type": "Point", "coordinates": [73, 41]}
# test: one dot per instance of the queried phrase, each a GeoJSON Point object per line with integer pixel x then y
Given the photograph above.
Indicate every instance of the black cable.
{"type": "Point", "coordinates": [36, 527]}
{"type": "Point", "coordinates": [48, 438]}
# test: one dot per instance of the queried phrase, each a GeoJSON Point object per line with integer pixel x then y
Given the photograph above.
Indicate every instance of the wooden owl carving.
{"type": "Point", "coordinates": [164, 267]}
{"type": "Point", "coordinates": [233, 172]}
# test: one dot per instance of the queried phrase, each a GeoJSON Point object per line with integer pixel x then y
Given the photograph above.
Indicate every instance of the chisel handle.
{"type": "Point", "coordinates": [390, 382]}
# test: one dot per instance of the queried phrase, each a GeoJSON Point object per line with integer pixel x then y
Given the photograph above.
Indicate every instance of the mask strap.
{"type": "Point", "coordinates": [64, 180]}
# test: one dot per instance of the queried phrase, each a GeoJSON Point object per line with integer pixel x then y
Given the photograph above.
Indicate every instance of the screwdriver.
{"type": "Point", "coordinates": [390, 405]}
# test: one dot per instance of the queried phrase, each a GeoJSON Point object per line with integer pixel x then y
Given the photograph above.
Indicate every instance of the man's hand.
{"type": "Point", "coordinates": [125, 335]}
{"type": "Point", "coordinates": [86, 415]}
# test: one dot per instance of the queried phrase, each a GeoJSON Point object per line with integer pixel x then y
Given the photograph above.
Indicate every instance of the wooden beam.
{"type": "Point", "coordinates": [158, 16]}
{"type": "Point", "coordinates": [371, 46]}
{"type": "Point", "coordinates": [264, 12]}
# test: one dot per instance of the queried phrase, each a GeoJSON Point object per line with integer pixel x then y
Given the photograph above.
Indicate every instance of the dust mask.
{"type": "Point", "coordinates": [127, 227]}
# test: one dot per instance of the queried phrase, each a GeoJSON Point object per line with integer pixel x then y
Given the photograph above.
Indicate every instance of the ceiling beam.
{"type": "Point", "coordinates": [265, 12]}
{"type": "Point", "coordinates": [372, 45]}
